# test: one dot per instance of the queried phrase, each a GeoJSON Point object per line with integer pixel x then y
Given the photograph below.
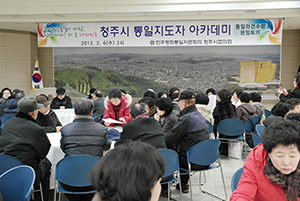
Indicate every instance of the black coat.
{"type": "Point", "coordinates": [56, 102]}
{"type": "Point", "coordinates": [223, 110]}
{"type": "Point", "coordinates": [46, 122]}
{"type": "Point", "coordinates": [25, 140]}
{"type": "Point", "coordinates": [143, 129]}
{"type": "Point", "coordinates": [84, 136]}
{"type": "Point", "coordinates": [293, 94]}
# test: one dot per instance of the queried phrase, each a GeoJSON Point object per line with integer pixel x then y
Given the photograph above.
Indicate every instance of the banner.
{"type": "Point", "coordinates": [161, 33]}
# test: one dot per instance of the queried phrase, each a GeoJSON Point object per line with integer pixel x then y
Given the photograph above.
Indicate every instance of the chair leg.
{"type": "Point", "coordinates": [180, 188]}
{"type": "Point", "coordinates": [54, 191]}
{"type": "Point", "coordinates": [41, 191]}
{"type": "Point", "coordinates": [190, 182]}
{"type": "Point", "coordinates": [169, 192]}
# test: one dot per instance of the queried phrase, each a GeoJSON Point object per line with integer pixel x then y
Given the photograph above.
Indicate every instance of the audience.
{"type": "Point", "coordinates": [235, 99]}
{"type": "Point", "coordinates": [11, 103]}
{"type": "Point", "coordinates": [165, 114]}
{"type": "Point", "coordinates": [285, 95]}
{"type": "Point", "coordinates": [278, 111]}
{"type": "Point", "coordinates": [117, 107]}
{"type": "Point", "coordinates": [201, 104]}
{"type": "Point", "coordinates": [245, 110]}
{"type": "Point", "coordinates": [25, 140]}
{"type": "Point", "coordinates": [173, 90]}
{"type": "Point", "coordinates": [131, 171]}
{"type": "Point", "coordinates": [142, 128]}
{"type": "Point", "coordinates": [271, 171]}
{"type": "Point", "coordinates": [190, 129]}
{"type": "Point", "coordinates": [150, 105]}
{"type": "Point", "coordinates": [98, 103]}
{"type": "Point", "coordinates": [150, 93]}
{"type": "Point", "coordinates": [256, 101]}
{"type": "Point", "coordinates": [61, 101]}
{"type": "Point", "coordinates": [5, 93]}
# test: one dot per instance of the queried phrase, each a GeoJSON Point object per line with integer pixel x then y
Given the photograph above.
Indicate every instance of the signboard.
{"type": "Point", "coordinates": [161, 33]}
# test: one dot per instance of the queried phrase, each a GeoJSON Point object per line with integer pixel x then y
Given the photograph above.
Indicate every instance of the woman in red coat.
{"type": "Point", "coordinates": [117, 107]}
{"type": "Point", "coordinates": [272, 171]}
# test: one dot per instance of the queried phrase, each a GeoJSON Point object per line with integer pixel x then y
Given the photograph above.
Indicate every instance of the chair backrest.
{"type": "Point", "coordinates": [210, 127]}
{"type": "Point", "coordinates": [16, 183]}
{"type": "Point", "coordinates": [196, 155]}
{"type": "Point", "coordinates": [74, 170]}
{"type": "Point", "coordinates": [256, 139]}
{"type": "Point", "coordinates": [236, 178]}
{"type": "Point", "coordinates": [250, 123]}
{"type": "Point", "coordinates": [231, 127]}
{"type": "Point", "coordinates": [4, 118]}
{"type": "Point", "coordinates": [171, 159]}
{"type": "Point", "coordinates": [267, 113]}
{"type": "Point", "coordinates": [259, 128]}
{"type": "Point", "coordinates": [8, 162]}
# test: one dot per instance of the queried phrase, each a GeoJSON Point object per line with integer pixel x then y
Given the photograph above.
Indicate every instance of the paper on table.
{"type": "Point", "coordinates": [110, 120]}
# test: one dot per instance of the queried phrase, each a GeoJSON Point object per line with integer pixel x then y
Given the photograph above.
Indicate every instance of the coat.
{"type": "Point", "coordinates": [109, 111]}
{"type": "Point", "coordinates": [223, 110]}
{"type": "Point", "coordinates": [293, 94]}
{"type": "Point", "coordinates": [143, 129]}
{"type": "Point", "coordinates": [46, 122]}
{"type": "Point", "coordinates": [206, 112]}
{"type": "Point", "coordinates": [168, 122]}
{"type": "Point", "coordinates": [11, 108]}
{"type": "Point", "coordinates": [245, 111]}
{"type": "Point", "coordinates": [99, 106]}
{"type": "Point", "coordinates": [254, 184]}
{"type": "Point", "coordinates": [56, 102]}
{"type": "Point", "coordinates": [25, 140]}
{"type": "Point", "coordinates": [84, 136]}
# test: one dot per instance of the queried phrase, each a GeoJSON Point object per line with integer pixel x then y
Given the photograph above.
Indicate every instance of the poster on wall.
{"type": "Point", "coordinates": [252, 64]}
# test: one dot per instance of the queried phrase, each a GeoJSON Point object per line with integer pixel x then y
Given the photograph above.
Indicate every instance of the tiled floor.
{"type": "Point", "coordinates": [213, 184]}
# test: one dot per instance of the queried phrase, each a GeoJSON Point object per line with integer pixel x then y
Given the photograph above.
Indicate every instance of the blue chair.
{"type": "Point", "coordinates": [236, 178]}
{"type": "Point", "coordinates": [172, 166]}
{"type": "Point", "coordinates": [74, 171]}
{"type": "Point", "coordinates": [256, 139]}
{"type": "Point", "coordinates": [4, 119]}
{"type": "Point", "coordinates": [250, 123]}
{"type": "Point", "coordinates": [232, 127]}
{"type": "Point", "coordinates": [267, 113]}
{"type": "Point", "coordinates": [210, 155]}
{"type": "Point", "coordinates": [210, 127]}
{"type": "Point", "coordinates": [94, 115]}
{"type": "Point", "coordinates": [259, 128]}
{"type": "Point", "coordinates": [16, 183]}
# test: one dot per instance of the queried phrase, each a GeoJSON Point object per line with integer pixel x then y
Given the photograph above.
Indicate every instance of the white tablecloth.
{"type": "Point", "coordinates": [65, 116]}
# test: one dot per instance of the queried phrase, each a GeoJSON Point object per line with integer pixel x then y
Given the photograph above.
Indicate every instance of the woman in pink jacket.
{"type": "Point", "coordinates": [272, 171]}
{"type": "Point", "coordinates": [117, 107]}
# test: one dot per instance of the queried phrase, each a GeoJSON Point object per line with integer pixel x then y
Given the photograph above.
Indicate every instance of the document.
{"type": "Point", "coordinates": [110, 120]}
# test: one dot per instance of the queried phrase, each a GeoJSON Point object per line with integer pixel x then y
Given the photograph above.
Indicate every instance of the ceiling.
{"type": "Point", "coordinates": [22, 15]}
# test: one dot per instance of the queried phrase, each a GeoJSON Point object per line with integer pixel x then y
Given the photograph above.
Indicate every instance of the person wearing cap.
{"type": "Point", "coordinates": [83, 136]}
{"type": "Point", "coordinates": [25, 140]}
{"type": "Point", "coordinates": [44, 117]}
{"type": "Point", "coordinates": [61, 101]}
{"type": "Point", "coordinates": [190, 129]}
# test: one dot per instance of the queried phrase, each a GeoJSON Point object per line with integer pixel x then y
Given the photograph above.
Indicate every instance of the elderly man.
{"type": "Point", "coordinates": [98, 102]}
{"type": "Point", "coordinates": [61, 101]}
{"type": "Point", "coordinates": [142, 128]}
{"type": "Point", "coordinates": [190, 129]}
{"type": "Point", "coordinates": [25, 140]}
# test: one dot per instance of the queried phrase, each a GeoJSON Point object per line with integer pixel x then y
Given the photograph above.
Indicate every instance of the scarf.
{"type": "Point", "coordinates": [290, 183]}
{"type": "Point", "coordinates": [116, 109]}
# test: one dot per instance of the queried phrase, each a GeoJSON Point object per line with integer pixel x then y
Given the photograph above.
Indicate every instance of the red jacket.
{"type": "Point", "coordinates": [123, 111]}
{"type": "Point", "coordinates": [254, 184]}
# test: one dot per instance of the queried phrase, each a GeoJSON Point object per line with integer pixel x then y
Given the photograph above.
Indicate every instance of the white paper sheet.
{"type": "Point", "coordinates": [110, 120]}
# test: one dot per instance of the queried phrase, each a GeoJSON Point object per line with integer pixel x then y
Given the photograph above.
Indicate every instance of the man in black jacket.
{"type": "Point", "coordinates": [61, 101]}
{"type": "Point", "coordinates": [190, 129]}
{"type": "Point", "coordinates": [25, 140]}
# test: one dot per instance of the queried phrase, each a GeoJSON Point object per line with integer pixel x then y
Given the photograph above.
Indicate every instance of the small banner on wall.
{"type": "Point", "coordinates": [161, 33]}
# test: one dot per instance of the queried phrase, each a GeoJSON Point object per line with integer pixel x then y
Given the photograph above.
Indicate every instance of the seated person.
{"type": "Point", "coordinates": [165, 114]}
{"type": "Point", "coordinates": [150, 93]}
{"type": "Point", "coordinates": [5, 93]}
{"type": "Point", "coordinates": [201, 104]}
{"type": "Point", "coordinates": [245, 110]}
{"type": "Point", "coordinates": [172, 91]}
{"type": "Point", "coordinates": [279, 110]}
{"type": "Point", "coordinates": [294, 104]}
{"type": "Point", "coordinates": [150, 105]}
{"type": "Point", "coordinates": [57, 123]}
{"type": "Point", "coordinates": [117, 107]}
{"type": "Point", "coordinates": [131, 171]}
{"type": "Point", "coordinates": [271, 171]}
{"type": "Point", "coordinates": [98, 103]}
{"type": "Point", "coordinates": [11, 104]}
{"type": "Point", "coordinates": [235, 99]}
{"type": "Point", "coordinates": [61, 101]}
{"type": "Point", "coordinates": [142, 128]}
{"type": "Point", "coordinates": [256, 101]}
{"type": "Point", "coordinates": [44, 118]}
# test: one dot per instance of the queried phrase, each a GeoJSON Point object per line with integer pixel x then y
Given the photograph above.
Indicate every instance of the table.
{"type": "Point", "coordinates": [65, 116]}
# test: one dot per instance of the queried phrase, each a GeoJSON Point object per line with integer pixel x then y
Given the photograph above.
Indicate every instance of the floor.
{"type": "Point", "coordinates": [213, 184]}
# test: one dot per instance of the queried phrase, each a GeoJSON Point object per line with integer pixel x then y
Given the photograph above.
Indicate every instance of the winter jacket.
{"type": "Point", "coordinates": [223, 110]}
{"type": "Point", "coordinates": [270, 119]}
{"type": "Point", "coordinates": [84, 136]}
{"type": "Point", "coordinates": [254, 184]}
{"type": "Point", "coordinates": [168, 122]}
{"type": "Point", "coordinates": [190, 129]}
{"type": "Point", "coordinates": [99, 106]}
{"type": "Point", "coordinates": [56, 102]}
{"type": "Point", "coordinates": [46, 122]}
{"type": "Point", "coordinates": [144, 129]}
{"type": "Point", "coordinates": [25, 140]}
{"type": "Point", "coordinates": [109, 111]}
{"type": "Point", "coordinates": [293, 94]}
{"type": "Point", "coordinates": [55, 118]}
{"type": "Point", "coordinates": [206, 112]}
{"type": "Point", "coordinates": [11, 108]}
{"type": "Point", "coordinates": [245, 111]}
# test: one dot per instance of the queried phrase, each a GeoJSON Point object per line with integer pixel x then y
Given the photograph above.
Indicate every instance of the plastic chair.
{"type": "Point", "coordinates": [172, 166]}
{"type": "Point", "coordinates": [210, 127]}
{"type": "Point", "coordinates": [4, 119]}
{"type": "Point", "coordinates": [16, 183]}
{"type": "Point", "coordinates": [259, 128]}
{"type": "Point", "coordinates": [210, 154]}
{"type": "Point", "coordinates": [236, 178]}
{"type": "Point", "coordinates": [250, 123]}
{"type": "Point", "coordinates": [74, 171]}
{"type": "Point", "coordinates": [267, 113]}
{"type": "Point", "coordinates": [256, 139]}
{"type": "Point", "coordinates": [232, 127]}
